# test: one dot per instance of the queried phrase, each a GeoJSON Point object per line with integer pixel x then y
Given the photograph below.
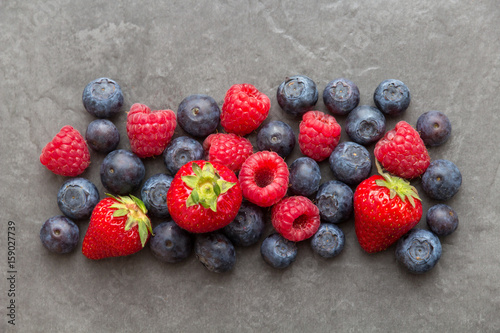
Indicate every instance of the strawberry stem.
{"type": "Point", "coordinates": [397, 186]}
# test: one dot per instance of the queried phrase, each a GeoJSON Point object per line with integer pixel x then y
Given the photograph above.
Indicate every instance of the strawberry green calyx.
{"type": "Point", "coordinates": [207, 186]}
{"type": "Point", "coordinates": [136, 211]}
{"type": "Point", "coordinates": [397, 186]}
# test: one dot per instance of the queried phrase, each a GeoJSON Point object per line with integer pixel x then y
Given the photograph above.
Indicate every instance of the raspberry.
{"type": "Point", "coordinates": [319, 134]}
{"type": "Point", "coordinates": [244, 109]}
{"type": "Point", "coordinates": [67, 154]}
{"type": "Point", "coordinates": [296, 218]}
{"type": "Point", "coordinates": [402, 152]}
{"type": "Point", "coordinates": [149, 131]}
{"type": "Point", "coordinates": [264, 178]}
{"type": "Point", "coordinates": [228, 149]}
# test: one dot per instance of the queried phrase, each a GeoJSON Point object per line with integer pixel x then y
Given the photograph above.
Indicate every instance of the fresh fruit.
{"type": "Point", "coordinates": [230, 149]}
{"type": "Point", "coordinates": [244, 109]}
{"type": "Point", "coordinates": [118, 227]}
{"type": "Point", "coordinates": [204, 196]}
{"type": "Point", "coordinates": [434, 128]}
{"type": "Point", "coordinates": [328, 241]}
{"type": "Point", "coordinates": [67, 153]}
{"type": "Point", "coordinates": [276, 136]}
{"type": "Point", "coordinates": [278, 251]}
{"type": "Point", "coordinates": [297, 95]}
{"type": "Point", "coordinates": [170, 243]}
{"type": "Point", "coordinates": [198, 115]}
{"type": "Point", "coordinates": [181, 150]}
{"type": "Point", "coordinates": [319, 134]}
{"type": "Point", "coordinates": [341, 96]}
{"type": "Point", "coordinates": [77, 198]}
{"type": "Point", "coordinates": [264, 178]}
{"type": "Point", "coordinates": [350, 163]}
{"type": "Point", "coordinates": [59, 234]}
{"type": "Point", "coordinates": [442, 219]}
{"type": "Point", "coordinates": [296, 218]}
{"type": "Point", "coordinates": [154, 194]}
{"type": "Point", "coordinates": [122, 172]}
{"type": "Point", "coordinates": [248, 226]}
{"type": "Point", "coordinates": [334, 201]}
{"type": "Point", "coordinates": [392, 97]}
{"type": "Point", "coordinates": [402, 152]}
{"type": "Point", "coordinates": [418, 251]}
{"type": "Point", "coordinates": [385, 208]}
{"type": "Point", "coordinates": [102, 98]}
{"type": "Point", "coordinates": [365, 125]}
{"type": "Point", "coordinates": [215, 251]}
{"type": "Point", "coordinates": [441, 180]}
{"type": "Point", "coordinates": [102, 136]}
{"type": "Point", "coordinates": [149, 132]}
{"type": "Point", "coordinates": [305, 176]}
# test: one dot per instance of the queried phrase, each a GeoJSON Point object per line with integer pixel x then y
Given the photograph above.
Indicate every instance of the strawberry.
{"type": "Point", "coordinates": [385, 208]}
{"type": "Point", "coordinates": [228, 149]}
{"type": "Point", "coordinates": [118, 227]}
{"type": "Point", "coordinates": [204, 196]}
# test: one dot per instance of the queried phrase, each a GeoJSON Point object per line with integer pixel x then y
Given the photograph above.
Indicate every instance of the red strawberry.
{"type": "Point", "coordinates": [228, 149]}
{"type": "Point", "coordinates": [67, 154]}
{"type": "Point", "coordinates": [296, 218]}
{"type": "Point", "coordinates": [204, 196]}
{"type": "Point", "coordinates": [149, 131]}
{"type": "Point", "coordinates": [385, 208]}
{"type": "Point", "coordinates": [244, 109]}
{"type": "Point", "coordinates": [402, 152]}
{"type": "Point", "coordinates": [319, 134]}
{"type": "Point", "coordinates": [118, 227]}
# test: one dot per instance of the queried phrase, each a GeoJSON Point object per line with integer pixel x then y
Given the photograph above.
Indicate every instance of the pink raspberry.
{"type": "Point", "coordinates": [230, 149]}
{"type": "Point", "coordinates": [319, 134]}
{"type": "Point", "coordinates": [296, 218]}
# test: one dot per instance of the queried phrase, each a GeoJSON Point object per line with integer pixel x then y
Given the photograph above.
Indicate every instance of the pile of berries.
{"type": "Point", "coordinates": [219, 186]}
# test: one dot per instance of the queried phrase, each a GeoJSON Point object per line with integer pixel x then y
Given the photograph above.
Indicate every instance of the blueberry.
{"type": "Point", "coordinates": [365, 125]}
{"type": "Point", "coordinates": [154, 194]}
{"type": "Point", "coordinates": [419, 250]}
{"type": "Point", "coordinates": [248, 226]}
{"type": "Point", "coordinates": [122, 172]}
{"type": "Point", "coordinates": [335, 201]}
{"type": "Point", "coordinates": [199, 115]}
{"type": "Point", "coordinates": [441, 180]}
{"type": "Point", "coordinates": [442, 219]}
{"type": "Point", "coordinates": [341, 96]}
{"type": "Point", "coordinates": [276, 136]}
{"type": "Point", "coordinates": [59, 234]}
{"type": "Point", "coordinates": [77, 197]}
{"type": "Point", "coordinates": [297, 95]}
{"type": "Point", "coordinates": [180, 151]}
{"type": "Point", "coordinates": [392, 97]}
{"type": "Point", "coordinates": [434, 128]}
{"type": "Point", "coordinates": [350, 163]}
{"type": "Point", "coordinates": [102, 98]}
{"type": "Point", "coordinates": [328, 241]}
{"type": "Point", "coordinates": [277, 251]}
{"type": "Point", "coordinates": [102, 136]}
{"type": "Point", "coordinates": [305, 176]}
{"type": "Point", "coordinates": [171, 243]}
{"type": "Point", "coordinates": [215, 251]}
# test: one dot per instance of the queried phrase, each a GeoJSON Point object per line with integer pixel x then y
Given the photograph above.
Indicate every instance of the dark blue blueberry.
{"type": "Point", "coordinates": [102, 98]}
{"type": "Point", "coordinates": [365, 125]}
{"type": "Point", "coordinates": [441, 180]}
{"type": "Point", "coordinates": [276, 136]}
{"type": "Point", "coordinates": [305, 176]}
{"type": "Point", "coordinates": [154, 194]}
{"type": "Point", "coordinates": [350, 163]}
{"type": "Point", "coordinates": [341, 96]}
{"type": "Point", "coordinates": [419, 250]}
{"type": "Point", "coordinates": [122, 172]}
{"type": "Point", "coordinates": [199, 115]}
{"type": "Point", "coordinates": [180, 151]}
{"type": "Point", "coordinates": [442, 219]}
{"type": "Point", "coordinates": [77, 197]}
{"type": "Point", "coordinates": [215, 251]}
{"type": "Point", "coordinates": [392, 97]}
{"type": "Point", "coordinates": [59, 234]}
{"type": "Point", "coordinates": [248, 226]}
{"type": "Point", "coordinates": [335, 201]}
{"type": "Point", "coordinates": [434, 128]}
{"type": "Point", "coordinates": [171, 243]}
{"type": "Point", "coordinates": [102, 136]}
{"type": "Point", "coordinates": [328, 241]}
{"type": "Point", "coordinates": [277, 251]}
{"type": "Point", "coordinates": [297, 95]}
